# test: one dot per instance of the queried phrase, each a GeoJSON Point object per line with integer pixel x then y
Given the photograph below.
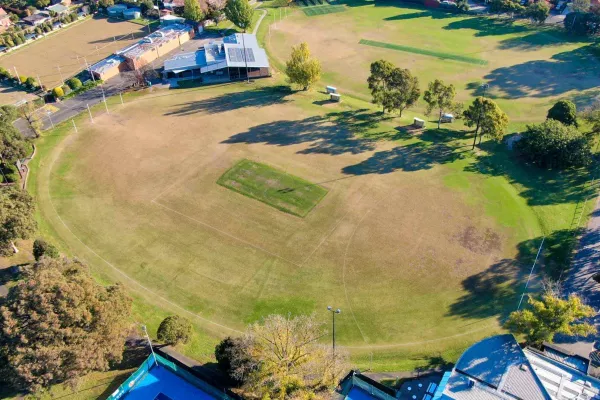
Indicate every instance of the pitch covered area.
{"type": "Point", "coordinates": [271, 186]}
{"type": "Point", "coordinates": [93, 39]}
{"type": "Point", "coordinates": [420, 244]}
{"type": "Point", "coordinates": [527, 67]}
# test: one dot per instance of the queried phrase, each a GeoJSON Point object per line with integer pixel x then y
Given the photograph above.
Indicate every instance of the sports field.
{"type": "Point", "coordinates": [93, 39]}
{"type": "Point", "coordinates": [420, 244]}
{"type": "Point", "coordinates": [527, 67]}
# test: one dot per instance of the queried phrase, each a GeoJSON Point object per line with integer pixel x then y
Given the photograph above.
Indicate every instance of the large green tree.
{"type": "Point", "coordinates": [554, 145]}
{"type": "Point", "coordinates": [550, 315]}
{"type": "Point", "coordinates": [12, 144]}
{"type": "Point", "coordinates": [16, 217]}
{"type": "Point", "coordinates": [538, 11]}
{"type": "Point", "coordinates": [192, 10]}
{"type": "Point", "coordinates": [487, 118]}
{"type": "Point", "coordinates": [58, 324]}
{"type": "Point", "coordinates": [395, 89]}
{"type": "Point", "coordinates": [564, 111]}
{"type": "Point", "coordinates": [240, 13]}
{"type": "Point", "coordinates": [302, 69]}
{"type": "Point", "coordinates": [439, 96]}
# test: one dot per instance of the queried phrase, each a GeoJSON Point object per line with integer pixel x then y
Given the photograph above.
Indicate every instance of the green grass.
{"type": "Point", "coordinates": [273, 187]}
{"type": "Point", "coordinates": [314, 10]}
{"type": "Point", "coordinates": [432, 53]}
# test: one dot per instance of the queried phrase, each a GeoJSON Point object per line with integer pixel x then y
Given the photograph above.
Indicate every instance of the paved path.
{"type": "Point", "coordinates": [579, 281]}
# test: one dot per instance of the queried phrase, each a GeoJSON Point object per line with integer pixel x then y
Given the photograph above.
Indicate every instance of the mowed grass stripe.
{"type": "Point", "coordinates": [425, 52]}
{"type": "Point", "coordinates": [312, 11]}
{"type": "Point", "coordinates": [271, 186]}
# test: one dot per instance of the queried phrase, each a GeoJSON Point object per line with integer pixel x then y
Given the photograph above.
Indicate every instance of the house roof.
{"type": "Point", "coordinates": [494, 368]}
{"type": "Point", "coordinates": [154, 40]}
{"type": "Point", "coordinates": [228, 52]}
{"type": "Point", "coordinates": [36, 17]}
{"type": "Point", "coordinates": [106, 64]}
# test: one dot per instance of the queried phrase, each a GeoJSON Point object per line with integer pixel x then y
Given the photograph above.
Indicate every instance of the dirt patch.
{"type": "Point", "coordinates": [480, 242]}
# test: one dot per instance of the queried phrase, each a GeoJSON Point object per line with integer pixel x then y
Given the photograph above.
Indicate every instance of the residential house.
{"type": "Point", "coordinates": [36, 19]}
{"type": "Point", "coordinates": [5, 21]}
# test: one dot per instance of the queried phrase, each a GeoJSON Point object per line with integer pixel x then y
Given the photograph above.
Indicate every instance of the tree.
{"type": "Point", "coordinates": [538, 11]}
{"type": "Point", "coordinates": [106, 3]}
{"type": "Point", "coordinates": [439, 96]}
{"type": "Point", "coordinates": [27, 112]}
{"type": "Point", "coordinates": [395, 89]}
{"type": "Point", "coordinates": [146, 6]}
{"type": "Point", "coordinates": [192, 10]}
{"type": "Point", "coordinates": [16, 217]}
{"type": "Point", "coordinates": [42, 3]}
{"type": "Point", "coordinates": [8, 114]}
{"type": "Point", "coordinates": [580, 6]}
{"type": "Point", "coordinates": [487, 118]}
{"type": "Point", "coordinates": [31, 83]}
{"type": "Point", "coordinates": [564, 111]}
{"type": "Point", "coordinates": [232, 358]}
{"type": "Point", "coordinates": [551, 315]}
{"type": "Point", "coordinates": [12, 144]}
{"type": "Point", "coordinates": [301, 68]}
{"type": "Point", "coordinates": [58, 92]}
{"type": "Point", "coordinates": [43, 248]}
{"type": "Point", "coordinates": [74, 83]}
{"type": "Point", "coordinates": [240, 13]}
{"type": "Point", "coordinates": [77, 326]}
{"type": "Point", "coordinates": [554, 145]}
{"type": "Point", "coordinates": [582, 24]}
{"type": "Point", "coordinates": [378, 81]}
{"type": "Point", "coordinates": [462, 5]}
{"type": "Point", "coordinates": [285, 360]}
{"type": "Point", "coordinates": [506, 6]}
{"type": "Point", "coordinates": [174, 329]}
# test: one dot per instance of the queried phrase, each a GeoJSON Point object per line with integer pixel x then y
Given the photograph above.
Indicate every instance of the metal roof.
{"type": "Point", "coordinates": [227, 52]}
{"type": "Point", "coordinates": [494, 368]}
{"type": "Point", "coordinates": [58, 8]}
{"type": "Point", "coordinates": [106, 64]}
{"type": "Point", "coordinates": [154, 40]}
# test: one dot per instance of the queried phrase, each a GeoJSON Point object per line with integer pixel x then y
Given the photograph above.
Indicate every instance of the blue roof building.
{"type": "Point", "coordinates": [161, 379]}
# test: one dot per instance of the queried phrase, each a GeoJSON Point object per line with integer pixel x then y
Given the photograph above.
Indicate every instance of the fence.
{"type": "Point", "coordinates": [178, 370]}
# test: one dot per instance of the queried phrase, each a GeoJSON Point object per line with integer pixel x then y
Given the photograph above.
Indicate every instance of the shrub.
{"type": "Point", "coordinates": [66, 89]}
{"type": "Point", "coordinates": [74, 83]}
{"type": "Point", "coordinates": [564, 111]}
{"type": "Point", "coordinates": [10, 172]}
{"type": "Point", "coordinates": [31, 83]}
{"type": "Point", "coordinates": [174, 329]}
{"type": "Point", "coordinates": [22, 79]}
{"type": "Point", "coordinates": [43, 248]}
{"type": "Point", "coordinates": [4, 73]}
{"type": "Point", "coordinates": [554, 145]}
{"type": "Point", "coordinates": [58, 92]}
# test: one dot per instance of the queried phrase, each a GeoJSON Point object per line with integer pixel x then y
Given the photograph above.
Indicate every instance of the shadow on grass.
{"type": "Point", "coordinates": [332, 134]}
{"type": "Point", "coordinates": [260, 97]}
{"type": "Point", "coordinates": [496, 291]}
{"type": "Point", "coordinates": [539, 39]}
{"type": "Point", "coordinates": [575, 70]}
{"type": "Point", "coordinates": [422, 14]}
{"type": "Point", "coordinates": [486, 26]}
{"type": "Point", "coordinates": [538, 186]}
{"type": "Point", "coordinates": [434, 148]}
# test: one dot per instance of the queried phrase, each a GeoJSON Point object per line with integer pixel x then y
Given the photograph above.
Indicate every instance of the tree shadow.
{"type": "Point", "coordinates": [488, 26]}
{"type": "Point", "coordinates": [574, 70]}
{"type": "Point", "coordinates": [259, 97]}
{"type": "Point", "coordinates": [496, 291]}
{"type": "Point", "coordinates": [334, 133]}
{"type": "Point", "coordinates": [433, 149]}
{"type": "Point", "coordinates": [538, 186]}
{"type": "Point", "coordinates": [421, 14]}
{"type": "Point", "coordinates": [536, 40]}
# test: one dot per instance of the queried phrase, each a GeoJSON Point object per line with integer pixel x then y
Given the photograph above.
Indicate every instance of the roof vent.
{"type": "Point", "coordinates": [471, 383]}
{"type": "Point", "coordinates": [523, 367]}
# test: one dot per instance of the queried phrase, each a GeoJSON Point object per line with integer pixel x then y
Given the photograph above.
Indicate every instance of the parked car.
{"type": "Point", "coordinates": [447, 118]}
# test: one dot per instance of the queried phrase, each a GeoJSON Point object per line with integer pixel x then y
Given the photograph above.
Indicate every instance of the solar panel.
{"type": "Point", "coordinates": [237, 55]}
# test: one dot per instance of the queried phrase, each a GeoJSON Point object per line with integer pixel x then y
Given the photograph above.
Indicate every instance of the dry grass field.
{"type": "Point", "coordinates": [527, 67]}
{"type": "Point", "coordinates": [406, 242]}
{"type": "Point", "coordinates": [93, 39]}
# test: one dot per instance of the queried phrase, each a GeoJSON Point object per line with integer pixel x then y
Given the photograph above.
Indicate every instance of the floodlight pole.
{"type": "Point", "coordinates": [89, 69]}
{"type": "Point", "coordinates": [245, 58]}
{"type": "Point", "coordinates": [149, 344]}
{"type": "Point", "coordinates": [530, 273]}
{"type": "Point", "coordinates": [333, 312]}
